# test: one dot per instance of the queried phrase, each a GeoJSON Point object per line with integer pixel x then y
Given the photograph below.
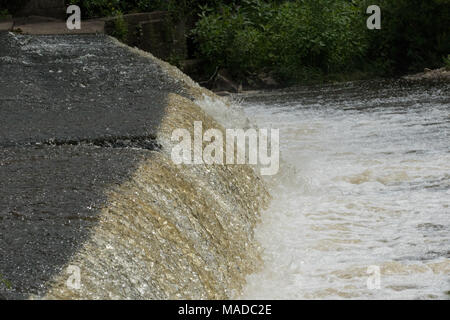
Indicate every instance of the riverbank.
{"type": "Point", "coordinates": [226, 45]}
{"type": "Point", "coordinates": [178, 40]}
{"type": "Point", "coordinates": [441, 74]}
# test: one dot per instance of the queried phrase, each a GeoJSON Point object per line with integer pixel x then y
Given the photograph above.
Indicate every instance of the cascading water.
{"type": "Point", "coordinates": [93, 205]}
{"type": "Point", "coordinates": [365, 182]}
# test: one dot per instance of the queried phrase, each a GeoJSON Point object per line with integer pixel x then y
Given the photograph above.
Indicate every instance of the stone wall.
{"type": "Point", "coordinates": [156, 32]}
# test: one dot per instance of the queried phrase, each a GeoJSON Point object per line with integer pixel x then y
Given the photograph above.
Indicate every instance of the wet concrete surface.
{"type": "Point", "coordinates": [76, 87]}
{"type": "Point", "coordinates": [77, 113]}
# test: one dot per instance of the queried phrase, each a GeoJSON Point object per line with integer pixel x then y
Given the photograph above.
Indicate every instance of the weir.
{"type": "Point", "coordinates": [87, 180]}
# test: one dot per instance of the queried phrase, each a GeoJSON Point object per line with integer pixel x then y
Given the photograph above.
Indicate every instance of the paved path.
{"type": "Point", "coordinates": [35, 25]}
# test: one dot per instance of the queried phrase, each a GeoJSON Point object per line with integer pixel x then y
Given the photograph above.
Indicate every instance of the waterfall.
{"type": "Point", "coordinates": [172, 231]}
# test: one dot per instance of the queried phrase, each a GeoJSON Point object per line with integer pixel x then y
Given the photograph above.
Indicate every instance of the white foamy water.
{"type": "Point", "coordinates": [365, 181]}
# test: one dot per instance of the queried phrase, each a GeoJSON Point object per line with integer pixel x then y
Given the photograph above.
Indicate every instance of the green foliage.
{"type": "Point", "coordinates": [12, 6]}
{"type": "Point", "coordinates": [96, 8]}
{"type": "Point", "coordinates": [175, 60]}
{"type": "Point", "coordinates": [303, 39]}
{"type": "Point", "coordinates": [105, 8]}
{"type": "Point", "coordinates": [296, 40]}
{"type": "Point", "coordinates": [5, 281]}
{"type": "Point", "coordinates": [4, 13]}
{"type": "Point", "coordinates": [120, 27]}
{"type": "Point", "coordinates": [230, 39]}
{"type": "Point", "coordinates": [316, 36]}
{"type": "Point", "coordinates": [447, 62]}
{"type": "Point", "coordinates": [102, 8]}
{"type": "Point", "coordinates": [414, 34]}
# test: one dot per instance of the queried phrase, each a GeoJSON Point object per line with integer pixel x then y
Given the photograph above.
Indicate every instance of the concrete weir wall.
{"type": "Point", "coordinates": [88, 184]}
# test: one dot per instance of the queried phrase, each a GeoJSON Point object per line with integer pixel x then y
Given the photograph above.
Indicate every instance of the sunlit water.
{"type": "Point", "coordinates": [364, 181]}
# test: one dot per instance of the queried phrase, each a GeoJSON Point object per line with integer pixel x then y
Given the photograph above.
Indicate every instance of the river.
{"type": "Point", "coordinates": [364, 186]}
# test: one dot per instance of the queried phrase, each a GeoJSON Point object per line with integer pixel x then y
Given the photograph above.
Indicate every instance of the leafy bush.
{"type": "Point", "coordinates": [104, 8]}
{"type": "Point", "coordinates": [302, 39]}
{"type": "Point", "coordinates": [230, 39]}
{"type": "Point", "coordinates": [316, 36]}
{"type": "Point", "coordinates": [294, 39]}
{"type": "Point", "coordinates": [447, 62]}
{"type": "Point", "coordinates": [414, 34]}
{"type": "Point", "coordinates": [120, 30]}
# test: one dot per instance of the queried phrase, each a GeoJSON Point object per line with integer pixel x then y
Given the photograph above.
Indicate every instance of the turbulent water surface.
{"type": "Point", "coordinates": [365, 181]}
